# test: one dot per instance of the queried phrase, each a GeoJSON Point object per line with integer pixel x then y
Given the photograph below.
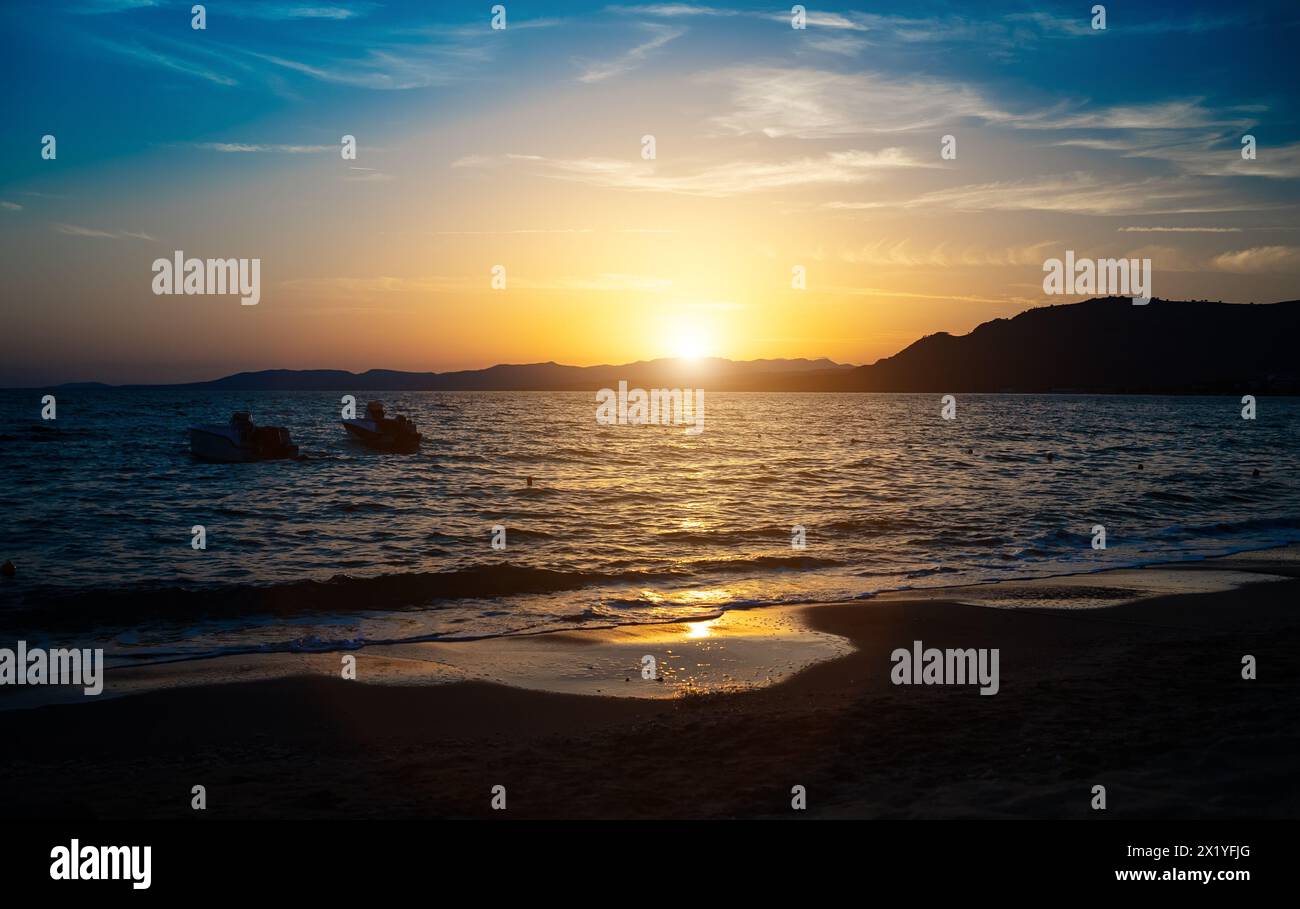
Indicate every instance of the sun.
{"type": "Point", "coordinates": [690, 342]}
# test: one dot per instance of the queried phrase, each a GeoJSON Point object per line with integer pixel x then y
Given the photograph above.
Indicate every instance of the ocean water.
{"type": "Point", "coordinates": [623, 524]}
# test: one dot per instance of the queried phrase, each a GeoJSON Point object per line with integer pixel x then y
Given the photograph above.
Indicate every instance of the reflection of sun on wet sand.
{"type": "Point", "coordinates": [735, 651]}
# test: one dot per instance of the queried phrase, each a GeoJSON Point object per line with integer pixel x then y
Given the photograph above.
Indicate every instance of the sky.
{"type": "Point", "coordinates": [775, 149]}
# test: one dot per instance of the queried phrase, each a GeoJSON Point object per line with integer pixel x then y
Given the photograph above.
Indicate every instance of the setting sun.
{"type": "Point", "coordinates": [690, 341]}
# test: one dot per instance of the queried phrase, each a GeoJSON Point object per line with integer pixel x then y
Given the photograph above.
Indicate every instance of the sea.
{"type": "Point", "coordinates": [783, 498]}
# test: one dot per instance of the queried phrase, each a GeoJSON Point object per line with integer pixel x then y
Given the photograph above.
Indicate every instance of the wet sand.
{"type": "Point", "coordinates": [1129, 679]}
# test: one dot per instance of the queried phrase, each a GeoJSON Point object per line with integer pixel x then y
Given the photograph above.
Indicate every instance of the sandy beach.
{"type": "Point", "coordinates": [1131, 679]}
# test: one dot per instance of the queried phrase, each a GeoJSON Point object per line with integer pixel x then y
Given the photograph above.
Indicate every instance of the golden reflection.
{"type": "Point", "coordinates": [705, 595]}
{"type": "Point", "coordinates": [702, 597]}
{"type": "Point", "coordinates": [703, 629]}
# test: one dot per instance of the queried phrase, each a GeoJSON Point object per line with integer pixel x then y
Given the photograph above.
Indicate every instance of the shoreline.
{"type": "Point", "coordinates": [1145, 697]}
{"type": "Point", "coordinates": [736, 650]}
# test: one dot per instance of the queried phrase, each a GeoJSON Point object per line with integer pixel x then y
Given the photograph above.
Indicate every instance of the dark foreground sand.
{"type": "Point", "coordinates": [1145, 698]}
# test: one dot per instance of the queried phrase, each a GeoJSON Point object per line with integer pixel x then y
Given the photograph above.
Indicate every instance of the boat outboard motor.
{"type": "Point", "coordinates": [271, 441]}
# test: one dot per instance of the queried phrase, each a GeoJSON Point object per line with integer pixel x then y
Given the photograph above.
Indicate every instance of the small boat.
{"type": "Point", "coordinates": [384, 433]}
{"type": "Point", "coordinates": [240, 441]}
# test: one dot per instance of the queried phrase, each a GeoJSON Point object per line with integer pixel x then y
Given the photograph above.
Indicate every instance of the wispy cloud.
{"type": "Point", "coordinates": [859, 291]}
{"type": "Point", "coordinates": [99, 7]}
{"type": "Point", "coordinates": [1054, 24]}
{"type": "Point", "coordinates": [901, 253]}
{"type": "Point", "coordinates": [1177, 114]}
{"type": "Point", "coordinates": [721, 179]}
{"type": "Point", "coordinates": [367, 175]}
{"type": "Point", "coordinates": [286, 11]}
{"type": "Point", "coordinates": [905, 29]}
{"type": "Point", "coordinates": [247, 148]}
{"type": "Point", "coordinates": [818, 104]}
{"type": "Point", "coordinates": [478, 31]}
{"type": "Point", "coordinates": [521, 231]}
{"type": "Point", "coordinates": [630, 60]}
{"type": "Point", "coordinates": [672, 10]}
{"type": "Point", "coordinates": [1216, 154]}
{"type": "Point", "coordinates": [10, 206]}
{"type": "Point", "coordinates": [1178, 230]}
{"type": "Point", "coordinates": [76, 230]}
{"type": "Point", "coordinates": [551, 230]}
{"type": "Point", "coordinates": [854, 22]}
{"type": "Point", "coordinates": [999, 35]}
{"type": "Point", "coordinates": [843, 45]}
{"type": "Point", "coordinates": [807, 103]}
{"type": "Point", "coordinates": [396, 57]}
{"type": "Point", "coordinates": [141, 54]}
{"type": "Point", "coordinates": [1259, 259]}
{"type": "Point", "coordinates": [269, 11]}
{"type": "Point", "coordinates": [379, 285]}
{"type": "Point", "coordinates": [385, 69]}
{"type": "Point", "coordinates": [1075, 193]}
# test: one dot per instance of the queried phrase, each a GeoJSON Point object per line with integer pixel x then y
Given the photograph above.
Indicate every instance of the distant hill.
{"type": "Point", "coordinates": [1102, 346]}
{"type": "Point", "coordinates": [713, 373]}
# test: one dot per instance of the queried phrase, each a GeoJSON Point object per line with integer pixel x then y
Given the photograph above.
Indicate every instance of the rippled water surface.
{"type": "Point", "coordinates": [622, 524]}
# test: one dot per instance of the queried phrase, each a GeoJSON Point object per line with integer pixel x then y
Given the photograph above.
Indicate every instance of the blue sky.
{"type": "Point", "coordinates": [308, 62]}
{"type": "Point", "coordinates": [479, 146]}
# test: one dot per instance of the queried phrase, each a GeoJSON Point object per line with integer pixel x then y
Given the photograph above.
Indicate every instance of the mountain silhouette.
{"type": "Point", "coordinates": [713, 372]}
{"type": "Point", "coordinates": [1104, 345]}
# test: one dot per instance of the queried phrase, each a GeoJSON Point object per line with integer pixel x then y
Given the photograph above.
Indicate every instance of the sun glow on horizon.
{"type": "Point", "coordinates": [689, 340]}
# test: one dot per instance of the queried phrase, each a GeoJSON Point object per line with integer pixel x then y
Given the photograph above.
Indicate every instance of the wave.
{"type": "Point", "coordinates": [38, 432]}
{"type": "Point", "coordinates": [768, 563]}
{"type": "Point", "coordinates": [1232, 528]}
{"type": "Point", "coordinates": [48, 607]}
